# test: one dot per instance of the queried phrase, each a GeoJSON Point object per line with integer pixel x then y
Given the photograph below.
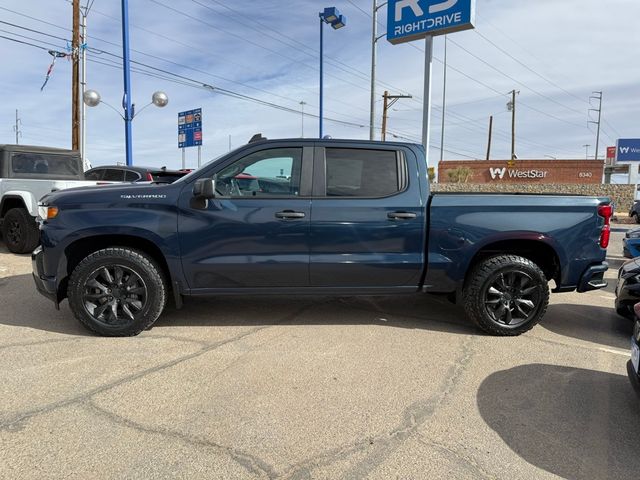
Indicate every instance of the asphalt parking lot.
{"type": "Point", "coordinates": [316, 388]}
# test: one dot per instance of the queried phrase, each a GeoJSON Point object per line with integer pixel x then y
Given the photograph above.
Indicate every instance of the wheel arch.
{"type": "Point", "coordinates": [16, 200]}
{"type": "Point", "coordinates": [76, 251]}
{"type": "Point", "coordinates": [539, 252]}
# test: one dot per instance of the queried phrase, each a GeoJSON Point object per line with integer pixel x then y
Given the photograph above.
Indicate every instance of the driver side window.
{"type": "Point", "coordinates": [268, 173]}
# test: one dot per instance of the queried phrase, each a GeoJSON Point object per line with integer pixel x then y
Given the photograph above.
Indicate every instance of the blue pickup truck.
{"type": "Point", "coordinates": [325, 217]}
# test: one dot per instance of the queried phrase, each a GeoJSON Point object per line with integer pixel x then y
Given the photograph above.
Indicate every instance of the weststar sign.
{"type": "Point", "coordinates": [500, 173]}
{"type": "Point", "coordinates": [409, 20]}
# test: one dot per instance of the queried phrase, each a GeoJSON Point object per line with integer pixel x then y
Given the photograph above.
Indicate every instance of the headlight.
{"type": "Point", "coordinates": [47, 212]}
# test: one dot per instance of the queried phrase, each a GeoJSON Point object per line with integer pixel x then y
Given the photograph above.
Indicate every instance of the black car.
{"type": "Point", "coordinates": [635, 211]}
{"type": "Point", "coordinates": [120, 173]}
{"type": "Point", "coordinates": [633, 367]}
{"type": "Point", "coordinates": [628, 288]}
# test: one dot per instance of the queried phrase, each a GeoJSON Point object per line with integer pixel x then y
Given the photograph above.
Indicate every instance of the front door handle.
{"type": "Point", "coordinates": [290, 215]}
{"type": "Point", "coordinates": [401, 216]}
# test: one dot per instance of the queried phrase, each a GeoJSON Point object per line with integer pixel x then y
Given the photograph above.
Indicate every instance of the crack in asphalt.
{"type": "Point", "coordinates": [379, 448]}
{"type": "Point", "coordinates": [251, 463]}
{"type": "Point", "coordinates": [459, 458]}
{"type": "Point", "coordinates": [39, 342]}
{"type": "Point", "coordinates": [15, 422]}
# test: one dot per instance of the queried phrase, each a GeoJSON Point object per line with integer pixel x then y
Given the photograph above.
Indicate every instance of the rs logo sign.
{"type": "Point", "coordinates": [497, 173]}
{"type": "Point", "coordinates": [417, 9]}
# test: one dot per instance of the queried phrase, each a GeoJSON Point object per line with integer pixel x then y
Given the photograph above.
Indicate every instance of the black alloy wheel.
{"type": "Point", "coordinates": [512, 298]}
{"type": "Point", "coordinates": [115, 295]}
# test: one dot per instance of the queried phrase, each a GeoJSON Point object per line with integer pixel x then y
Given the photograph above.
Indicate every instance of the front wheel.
{"type": "Point", "coordinates": [506, 295]}
{"type": "Point", "coordinates": [117, 292]}
{"type": "Point", "coordinates": [20, 231]}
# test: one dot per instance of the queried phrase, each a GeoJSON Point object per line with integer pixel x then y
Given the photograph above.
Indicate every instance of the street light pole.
{"type": "Point", "coordinates": [374, 57]}
{"type": "Point", "coordinates": [302, 104]}
{"type": "Point", "coordinates": [321, 73]}
{"type": "Point", "coordinates": [331, 16]}
{"type": "Point", "coordinates": [126, 67]}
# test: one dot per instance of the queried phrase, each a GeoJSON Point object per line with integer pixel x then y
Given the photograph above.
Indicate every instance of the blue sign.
{"type": "Point", "coordinates": [190, 128]}
{"type": "Point", "coordinates": [628, 150]}
{"type": "Point", "coordinates": [409, 20]}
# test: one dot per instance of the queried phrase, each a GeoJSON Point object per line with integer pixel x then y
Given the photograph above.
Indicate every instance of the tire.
{"type": "Point", "coordinates": [117, 292]}
{"type": "Point", "coordinates": [20, 231]}
{"type": "Point", "coordinates": [636, 217]}
{"type": "Point", "coordinates": [506, 295]}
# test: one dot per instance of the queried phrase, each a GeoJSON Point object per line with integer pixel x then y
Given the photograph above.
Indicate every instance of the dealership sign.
{"type": "Point", "coordinates": [500, 173]}
{"type": "Point", "coordinates": [628, 150]}
{"type": "Point", "coordinates": [409, 20]}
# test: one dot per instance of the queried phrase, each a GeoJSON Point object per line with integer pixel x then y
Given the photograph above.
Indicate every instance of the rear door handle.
{"type": "Point", "coordinates": [290, 215]}
{"type": "Point", "coordinates": [401, 216]}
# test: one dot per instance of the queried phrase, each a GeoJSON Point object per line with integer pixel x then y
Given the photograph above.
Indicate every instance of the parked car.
{"type": "Point", "coordinates": [119, 173]}
{"type": "Point", "coordinates": [628, 288]}
{"type": "Point", "coordinates": [633, 366]}
{"type": "Point", "coordinates": [350, 218]}
{"type": "Point", "coordinates": [631, 244]}
{"type": "Point", "coordinates": [27, 173]}
{"type": "Point", "coordinates": [635, 211]}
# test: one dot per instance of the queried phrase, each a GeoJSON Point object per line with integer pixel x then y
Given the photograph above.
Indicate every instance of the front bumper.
{"type": "Point", "coordinates": [593, 278]}
{"type": "Point", "coordinates": [47, 286]}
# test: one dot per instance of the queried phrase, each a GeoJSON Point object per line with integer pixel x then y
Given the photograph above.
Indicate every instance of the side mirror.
{"type": "Point", "coordinates": [204, 189]}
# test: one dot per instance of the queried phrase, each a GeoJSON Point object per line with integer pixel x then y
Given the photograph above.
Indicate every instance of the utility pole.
{"type": "Point", "coordinates": [587, 151]}
{"type": "Point", "coordinates": [512, 108]}
{"type": "Point", "coordinates": [75, 80]}
{"type": "Point", "coordinates": [83, 83]}
{"type": "Point", "coordinates": [374, 59]}
{"type": "Point", "coordinates": [444, 100]}
{"type": "Point", "coordinates": [389, 101]}
{"type": "Point", "coordinates": [302, 104]}
{"type": "Point", "coordinates": [16, 128]}
{"type": "Point", "coordinates": [490, 134]}
{"type": "Point", "coordinates": [597, 96]}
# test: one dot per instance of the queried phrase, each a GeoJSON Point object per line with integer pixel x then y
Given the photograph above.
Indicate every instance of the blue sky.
{"type": "Point", "coordinates": [556, 53]}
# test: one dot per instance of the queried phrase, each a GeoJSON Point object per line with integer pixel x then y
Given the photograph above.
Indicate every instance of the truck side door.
{"type": "Point", "coordinates": [255, 233]}
{"type": "Point", "coordinates": [368, 220]}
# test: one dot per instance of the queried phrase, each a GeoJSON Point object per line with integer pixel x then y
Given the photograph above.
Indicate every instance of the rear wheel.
{"type": "Point", "coordinates": [636, 217]}
{"type": "Point", "coordinates": [506, 295]}
{"type": "Point", "coordinates": [117, 292]}
{"type": "Point", "coordinates": [20, 231]}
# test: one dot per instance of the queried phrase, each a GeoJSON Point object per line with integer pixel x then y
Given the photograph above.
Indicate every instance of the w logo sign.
{"type": "Point", "coordinates": [497, 173]}
{"type": "Point", "coordinates": [624, 150]}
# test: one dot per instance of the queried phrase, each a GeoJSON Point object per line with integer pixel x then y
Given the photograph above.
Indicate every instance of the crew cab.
{"type": "Point", "coordinates": [332, 217]}
{"type": "Point", "coordinates": [28, 173]}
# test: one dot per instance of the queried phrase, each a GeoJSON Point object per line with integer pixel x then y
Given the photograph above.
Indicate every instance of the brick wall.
{"type": "Point", "coordinates": [622, 195]}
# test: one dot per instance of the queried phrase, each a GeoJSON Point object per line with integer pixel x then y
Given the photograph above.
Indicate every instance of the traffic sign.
{"type": "Point", "coordinates": [611, 153]}
{"type": "Point", "coordinates": [628, 150]}
{"type": "Point", "coordinates": [190, 128]}
{"type": "Point", "coordinates": [409, 20]}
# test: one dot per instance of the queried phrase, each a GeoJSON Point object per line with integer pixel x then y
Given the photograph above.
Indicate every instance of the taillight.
{"type": "Point", "coordinates": [606, 212]}
{"type": "Point", "coordinates": [149, 177]}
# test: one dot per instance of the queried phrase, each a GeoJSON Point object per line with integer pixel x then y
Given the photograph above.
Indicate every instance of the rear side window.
{"type": "Point", "coordinates": [43, 165]}
{"type": "Point", "coordinates": [131, 176]}
{"type": "Point", "coordinates": [112, 175]}
{"type": "Point", "coordinates": [94, 175]}
{"type": "Point", "coordinates": [363, 173]}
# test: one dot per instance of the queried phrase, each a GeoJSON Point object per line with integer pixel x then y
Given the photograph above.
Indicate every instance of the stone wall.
{"type": "Point", "coordinates": [622, 195]}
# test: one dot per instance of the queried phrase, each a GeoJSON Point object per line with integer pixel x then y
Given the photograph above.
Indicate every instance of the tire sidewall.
{"type": "Point", "coordinates": [22, 218]}
{"type": "Point", "coordinates": [147, 271]}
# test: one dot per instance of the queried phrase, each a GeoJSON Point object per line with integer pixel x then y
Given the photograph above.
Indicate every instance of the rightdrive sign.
{"type": "Point", "coordinates": [628, 150]}
{"type": "Point", "coordinates": [409, 20]}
